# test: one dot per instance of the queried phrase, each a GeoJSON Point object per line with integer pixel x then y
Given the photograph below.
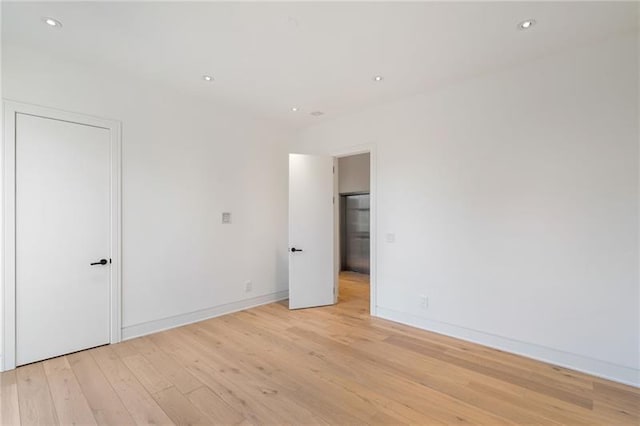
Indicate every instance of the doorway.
{"type": "Point", "coordinates": [354, 183]}
{"type": "Point", "coordinates": [317, 185]}
{"type": "Point", "coordinates": [62, 240]}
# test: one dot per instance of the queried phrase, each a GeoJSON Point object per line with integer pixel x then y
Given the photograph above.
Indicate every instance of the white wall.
{"type": "Point", "coordinates": [354, 173]}
{"type": "Point", "coordinates": [185, 161]}
{"type": "Point", "coordinates": [513, 198]}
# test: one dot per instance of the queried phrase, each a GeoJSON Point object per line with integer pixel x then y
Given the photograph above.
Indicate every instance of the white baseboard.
{"type": "Point", "coordinates": [145, 328]}
{"type": "Point", "coordinates": [618, 373]}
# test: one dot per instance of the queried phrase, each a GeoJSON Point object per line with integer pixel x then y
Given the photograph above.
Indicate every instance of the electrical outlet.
{"type": "Point", "coordinates": [424, 302]}
{"type": "Point", "coordinates": [226, 218]}
{"type": "Point", "coordinates": [391, 238]}
{"type": "Point", "coordinates": [248, 286]}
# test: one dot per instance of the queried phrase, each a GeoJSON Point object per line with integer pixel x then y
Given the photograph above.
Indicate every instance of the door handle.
{"type": "Point", "coordinates": [101, 262]}
{"type": "Point", "coordinates": [293, 249]}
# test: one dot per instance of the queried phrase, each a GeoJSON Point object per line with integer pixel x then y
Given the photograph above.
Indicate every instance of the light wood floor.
{"type": "Point", "coordinates": [336, 365]}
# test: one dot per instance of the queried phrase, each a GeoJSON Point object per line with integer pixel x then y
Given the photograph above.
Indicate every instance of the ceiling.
{"type": "Point", "coordinates": [270, 57]}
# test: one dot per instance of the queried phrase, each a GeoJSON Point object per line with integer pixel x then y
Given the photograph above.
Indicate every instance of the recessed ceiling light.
{"type": "Point", "coordinates": [377, 78]}
{"type": "Point", "coordinates": [207, 78]}
{"type": "Point", "coordinates": [294, 109]}
{"type": "Point", "coordinates": [52, 22]}
{"type": "Point", "coordinates": [317, 113]}
{"type": "Point", "coordinates": [525, 25]}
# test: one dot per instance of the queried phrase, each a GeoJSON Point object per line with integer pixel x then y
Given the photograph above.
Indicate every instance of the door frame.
{"type": "Point", "coordinates": [11, 108]}
{"type": "Point", "coordinates": [373, 214]}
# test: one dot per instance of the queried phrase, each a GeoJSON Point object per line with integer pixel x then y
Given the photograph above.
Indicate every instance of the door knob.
{"type": "Point", "coordinates": [101, 262]}
{"type": "Point", "coordinates": [293, 249]}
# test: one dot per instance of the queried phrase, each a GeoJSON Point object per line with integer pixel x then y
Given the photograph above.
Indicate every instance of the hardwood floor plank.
{"type": "Point", "coordinates": [146, 373]}
{"type": "Point", "coordinates": [218, 411]}
{"type": "Point", "coordinates": [501, 373]}
{"type": "Point", "coordinates": [68, 398]}
{"type": "Point", "coordinates": [105, 404]}
{"type": "Point", "coordinates": [292, 382]}
{"type": "Point", "coordinates": [35, 402]}
{"type": "Point", "coordinates": [626, 398]}
{"type": "Point", "coordinates": [264, 390]}
{"type": "Point", "coordinates": [123, 349]}
{"type": "Point", "coordinates": [9, 409]}
{"type": "Point", "coordinates": [551, 413]}
{"type": "Point", "coordinates": [170, 369]}
{"type": "Point", "coordinates": [236, 396]}
{"type": "Point", "coordinates": [179, 408]}
{"type": "Point", "coordinates": [396, 366]}
{"type": "Point", "coordinates": [140, 404]}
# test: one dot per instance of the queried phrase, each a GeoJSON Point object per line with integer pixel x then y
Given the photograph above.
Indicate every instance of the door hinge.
{"type": "Point", "coordinates": [334, 170]}
{"type": "Point", "coordinates": [334, 199]}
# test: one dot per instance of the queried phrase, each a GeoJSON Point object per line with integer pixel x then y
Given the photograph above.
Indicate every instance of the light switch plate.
{"type": "Point", "coordinates": [226, 217]}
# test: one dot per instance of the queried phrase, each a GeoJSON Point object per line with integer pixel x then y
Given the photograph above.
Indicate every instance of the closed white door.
{"type": "Point", "coordinates": [62, 227]}
{"type": "Point", "coordinates": [312, 272]}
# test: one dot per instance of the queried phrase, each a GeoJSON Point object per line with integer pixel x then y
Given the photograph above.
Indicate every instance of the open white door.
{"type": "Point", "coordinates": [311, 231]}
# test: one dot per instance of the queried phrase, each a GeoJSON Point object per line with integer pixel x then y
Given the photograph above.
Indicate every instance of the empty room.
{"type": "Point", "coordinates": [345, 213]}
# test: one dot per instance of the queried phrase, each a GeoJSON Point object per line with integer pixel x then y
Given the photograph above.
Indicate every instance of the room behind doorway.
{"type": "Point", "coordinates": [354, 213]}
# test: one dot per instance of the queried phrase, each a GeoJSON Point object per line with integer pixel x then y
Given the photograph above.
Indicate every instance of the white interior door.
{"type": "Point", "coordinates": [312, 272]}
{"type": "Point", "coordinates": [62, 226]}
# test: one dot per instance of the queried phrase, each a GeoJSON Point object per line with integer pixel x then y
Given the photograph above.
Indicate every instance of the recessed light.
{"type": "Point", "coordinates": [317, 113]}
{"type": "Point", "coordinates": [294, 109]}
{"type": "Point", "coordinates": [52, 22]}
{"type": "Point", "coordinates": [377, 78]}
{"type": "Point", "coordinates": [525, 25]}
{"type": "Point", "coordinates": [207, 78]}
